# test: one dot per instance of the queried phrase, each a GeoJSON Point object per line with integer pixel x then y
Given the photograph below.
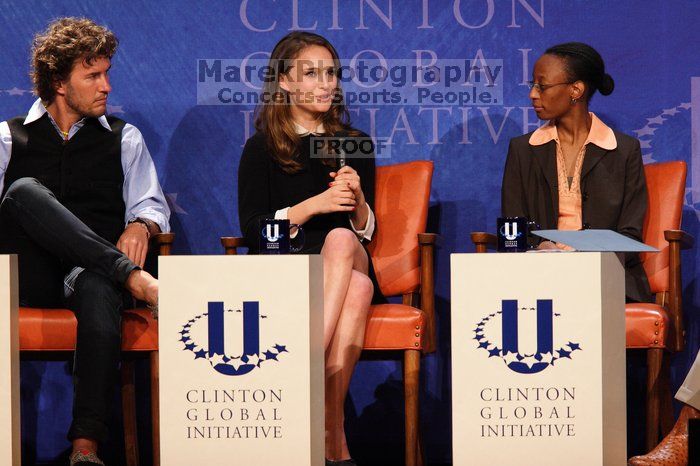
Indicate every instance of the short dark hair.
{"type": "Point", "coordinates": [65, 40]}
{"type": "Point", "coordinates": [584, 63]}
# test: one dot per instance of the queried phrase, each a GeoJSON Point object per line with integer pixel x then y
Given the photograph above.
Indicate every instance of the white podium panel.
{"type": "Point", "coordinates": [538, 359]}
{"type": "Point", "coordinates": [10, 453]}
{"type": "Point", "coordinates": [241, 360]}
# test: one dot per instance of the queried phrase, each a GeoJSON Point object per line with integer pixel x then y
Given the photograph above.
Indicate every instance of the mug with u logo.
{"type": "Point", "coordinates": [275, 237]}
{"type": "Point", "coordinates": [512, 234]}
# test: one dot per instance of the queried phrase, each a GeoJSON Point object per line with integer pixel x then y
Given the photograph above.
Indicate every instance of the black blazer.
{"type": "Point", "coordinates": [613, 192]}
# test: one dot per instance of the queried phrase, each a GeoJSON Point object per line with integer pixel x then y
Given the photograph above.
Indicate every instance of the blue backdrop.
{"type": "Point", "coordinates": [650, 49]}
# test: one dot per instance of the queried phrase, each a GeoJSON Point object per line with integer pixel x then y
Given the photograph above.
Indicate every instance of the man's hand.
{"type": "Point", "coordinates": [134, 243]}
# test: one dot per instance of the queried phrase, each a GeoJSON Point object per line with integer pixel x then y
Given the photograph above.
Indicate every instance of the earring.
{"type": "Point", "coordinates": [574, 101]}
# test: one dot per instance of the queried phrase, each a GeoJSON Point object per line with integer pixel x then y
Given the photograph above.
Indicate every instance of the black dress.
{"type": "Point", "coordinates": [264, 188]}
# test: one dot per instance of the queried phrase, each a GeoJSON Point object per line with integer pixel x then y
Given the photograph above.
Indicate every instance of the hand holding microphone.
{"type": "Point", "coordinates": [339, 197]}
{"type": "Point", "coordinates": [349, 177]}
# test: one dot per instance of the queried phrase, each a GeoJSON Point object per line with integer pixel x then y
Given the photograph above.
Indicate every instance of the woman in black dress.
{"type": "Point", "coordinates": [279, 178]}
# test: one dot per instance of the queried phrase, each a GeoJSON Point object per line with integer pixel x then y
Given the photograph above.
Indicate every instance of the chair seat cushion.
{"type": "Point", "coordinates": [55, 330]}
{"type": "Point", "coordinates": [647, 325]}
{"type": "Point", "coordinates": [394, 326]}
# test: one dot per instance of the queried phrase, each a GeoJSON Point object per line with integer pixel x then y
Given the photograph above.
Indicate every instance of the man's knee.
{"type": "Point", "coordinates": [24, 189]}
{"type": "Point", "coordinates": [22, 185]}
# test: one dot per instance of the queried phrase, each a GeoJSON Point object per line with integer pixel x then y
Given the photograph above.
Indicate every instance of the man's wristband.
{"type": "Point", "coordinates": [143, 223]}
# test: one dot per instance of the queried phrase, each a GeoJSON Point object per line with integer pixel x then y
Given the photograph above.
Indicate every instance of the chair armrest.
{"type": "Point", "coordinates": [427, 243]}
{"type": "Point", "coordinates": [231, 244]}
{"type": "Point", "coordinates": [677, 240]}
{"type": "Point", "coordinates": [686, 240]}
{"type": "Point", "coordinates": [428, 238]}
{"type": "Point", "coordinates": [483, 241]}
{"type": "Point", "coordinates": [161, 243]}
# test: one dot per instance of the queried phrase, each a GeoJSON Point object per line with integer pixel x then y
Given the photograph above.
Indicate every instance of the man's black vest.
{"type": "Point", "coordinates": [85, 173]}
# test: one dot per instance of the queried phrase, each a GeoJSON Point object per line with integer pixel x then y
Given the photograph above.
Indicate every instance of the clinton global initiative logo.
{"type": "Point", "coordinates": [271, 232]}
{"type": "Point", "coordinates": [214, 336]}
{"type": "Point", "coordinates": [522, 356]}
{"type": "Point", "coordinates": [510, 231]}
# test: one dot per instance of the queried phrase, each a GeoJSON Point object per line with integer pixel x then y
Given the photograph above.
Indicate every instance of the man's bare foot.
{"type": "Point", "coordinates": [143, 286]}
{"type": "Point", "coordinates": [84, 452]}
{"type": "Point", "coordinates": [85, 444]}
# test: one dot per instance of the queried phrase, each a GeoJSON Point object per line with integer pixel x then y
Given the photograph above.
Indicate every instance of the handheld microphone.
{"type": "Point", "coordinates": [341, 156]}
{"type": "Point", "coordinates": [341, 159]}
{"type": "Point", "coordinates": [340, 135]}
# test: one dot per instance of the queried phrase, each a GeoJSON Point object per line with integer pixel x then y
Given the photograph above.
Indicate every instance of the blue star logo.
{"type": "Point", "coordinates": [226, 363]}
{"type": "Point", "coordinates": [281, 349]}
{"type": "Point", "coordinates": [514, 360]}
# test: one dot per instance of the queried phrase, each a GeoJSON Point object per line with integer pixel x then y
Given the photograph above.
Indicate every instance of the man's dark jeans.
{"type": "Point", "coordinates": [50, 241]}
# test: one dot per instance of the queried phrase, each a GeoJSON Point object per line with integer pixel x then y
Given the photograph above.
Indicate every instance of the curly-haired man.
{"type": "Point", "coordinates": [80, 199]}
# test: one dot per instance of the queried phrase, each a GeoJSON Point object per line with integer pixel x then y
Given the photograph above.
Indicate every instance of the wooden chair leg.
{"type": "Point", "coordinates": [155, 408]}
{"type": "Point", "coordinates": [131, 445]}
{"type": "Point", "coordinates": [654, 363]}
{"type": "Point", "coordinates": [411, 373]}
{"type": "Point", "coordinates": [421, 456]}
{"type": "Point", "coordinates": [666, 397]}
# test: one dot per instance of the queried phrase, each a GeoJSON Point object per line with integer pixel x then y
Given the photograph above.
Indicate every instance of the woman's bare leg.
{"type": "Point", "coordinates": [348, 293]}
{"type": "Point", "coordinates": [342, 253]}
{"type": "Point", "coordinates": [341, 358]}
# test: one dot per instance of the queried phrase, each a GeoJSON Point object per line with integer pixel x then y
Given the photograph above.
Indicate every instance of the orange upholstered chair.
{"type": "Point", "coordinates": [50, 333]}
{"type": "Point", "coordinates": [402, 255]}
{"type": "Point", "coordinates": [656, 326]}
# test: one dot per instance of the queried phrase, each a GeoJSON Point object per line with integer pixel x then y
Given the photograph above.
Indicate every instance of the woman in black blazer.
{"type": "Point", "coordinates": [575, 172]}
{"type": "Point", "coordinates": [282, 175]}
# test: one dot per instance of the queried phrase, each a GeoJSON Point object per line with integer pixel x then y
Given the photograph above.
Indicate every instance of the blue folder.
{"type": "Point", "coordinates": [595, 240]}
